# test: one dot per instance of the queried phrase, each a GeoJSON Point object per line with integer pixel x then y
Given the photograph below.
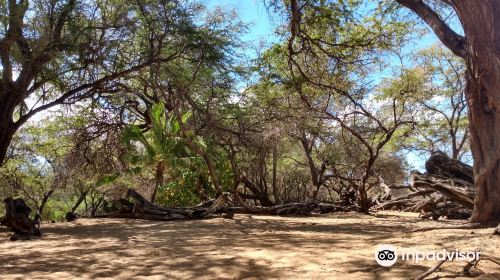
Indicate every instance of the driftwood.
{"type": "Point", "coordinates": [446, 190]}
{"type": "Point", "coordinates": [456, 190]}
{"type": "Point", "coordinates": [135, 206]}
{"type": "Point", "coordinates": [430, 271]}
{"type": "Point", "coordinates": [304, 208]}
{"type": "Point", "coordinates": [17, 220]}
{"type": "Point", "coordinates": [442, 165]}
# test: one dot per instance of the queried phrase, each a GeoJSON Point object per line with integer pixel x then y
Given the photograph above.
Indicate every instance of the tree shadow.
{"type": "Point", "coordinates": [258, 248]}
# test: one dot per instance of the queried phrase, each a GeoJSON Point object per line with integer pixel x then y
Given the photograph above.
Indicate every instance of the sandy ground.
{"type": "Point", "coordinates": [337, 246]}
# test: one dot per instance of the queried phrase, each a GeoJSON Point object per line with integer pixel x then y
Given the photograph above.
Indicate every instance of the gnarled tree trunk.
{"type": "Point", "coordinates": [17, 219]}
{"type": "Point", "coordinates": [481, 21]}
{"type": "Point", "coordinates": [480, 47]}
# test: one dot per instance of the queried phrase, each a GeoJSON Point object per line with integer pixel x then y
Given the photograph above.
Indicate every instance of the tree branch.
{"type": "Point", "coordinates": [453, 41]}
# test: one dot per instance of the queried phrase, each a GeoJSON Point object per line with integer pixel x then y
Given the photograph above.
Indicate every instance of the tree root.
{"type": "Point", "coordinates": [429, 272]}
{"type": "Point", "coordinates": [491, 259]}
{"type": "Point", "coordinates": [464, 226]}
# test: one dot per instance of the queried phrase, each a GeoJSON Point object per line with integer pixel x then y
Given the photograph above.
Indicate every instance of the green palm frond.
{"type": "Point", "coordinates": [133, 134]}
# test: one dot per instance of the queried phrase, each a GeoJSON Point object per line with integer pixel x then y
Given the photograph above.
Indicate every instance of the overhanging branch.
{"type": "Point", "coordinates": [452, 40]}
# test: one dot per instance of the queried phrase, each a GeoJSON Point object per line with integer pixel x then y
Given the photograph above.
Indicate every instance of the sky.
{"type": "Point", "coordinates": [261, 29]}
{"type": "Point", "coordinates": [250, 11]}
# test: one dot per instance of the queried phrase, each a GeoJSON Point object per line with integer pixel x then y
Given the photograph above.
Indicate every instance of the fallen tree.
{"type": "Point", "coordinates": [446, 190]}
{"type": "Point", "coordinates": [17, 219]}
{"type": "Point", "coordinates": [135, 206]}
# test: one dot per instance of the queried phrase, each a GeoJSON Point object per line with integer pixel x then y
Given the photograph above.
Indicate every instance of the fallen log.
{"type": "Point", "coordinates": [17, 220]}
{"type": "Point", "coordinates": [135, 206]}
{"type": "Point", "coordinates": [403, 200]}
{"type": "Point", "coordinates": [446, 190]}
{"type": "Point", "coordinates": [455, 190]}
{"type": "Point", "coordinates": [442, 165]}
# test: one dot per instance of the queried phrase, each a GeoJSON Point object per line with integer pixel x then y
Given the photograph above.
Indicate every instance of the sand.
{"type": "Point", "coordinates": [336, 246]}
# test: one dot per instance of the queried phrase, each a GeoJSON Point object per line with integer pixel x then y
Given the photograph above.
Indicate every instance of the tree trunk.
{"type": "Point", "coordinates": [316, 175]}
{"type": "Point", "coordinates": [481, 22]}
{"type": "Point", "coordinates": [5, 139]}
{"type": "Point", "coordinates": [364, 203]}
{"type": "Point", "coordinates": [96, 206]}
{"type": "Point", "coordinates": [7, 128]}
{"type": "Point", "coordinates": [261, 196]}
{"type": "Point", "coordinates": [46, 196]}
{"type": "Point", "coordinates": [275, 172]}
{"type": "Point", "coordinates": [160, 170]}
{"type": "Point", "coordinates": [71, 216]}
{"type": "Point", "coordinates": [17, 219]}
{"type": "Point", "coordinates": [82, 196]}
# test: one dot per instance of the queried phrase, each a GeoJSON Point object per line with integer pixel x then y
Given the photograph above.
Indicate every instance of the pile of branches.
{"type": "Point", "coordinates": [300, 208]}
{"type": "Point", "coordinates": [135, 206]}
{"type": "Point", "coordinates": [445, 190]}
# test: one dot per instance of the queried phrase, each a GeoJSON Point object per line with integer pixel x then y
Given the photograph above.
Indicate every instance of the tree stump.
{"type": "Point", "coordinates": [17, 220]}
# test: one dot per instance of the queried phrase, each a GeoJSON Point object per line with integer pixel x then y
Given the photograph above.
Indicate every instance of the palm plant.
{"type": "Point", "coordinates": [163, 145]}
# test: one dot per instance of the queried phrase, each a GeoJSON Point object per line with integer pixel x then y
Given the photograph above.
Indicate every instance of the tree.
{"type": "Point", "coordinates": [37, 169]}
{"type": "Point", "coordinates": [59, 52]}
{"type": "Point", "coordinates": [330, 53]}
{"type": "Point", "coordinates": [162, 143]}
{"type": "Point", "coordinates": [480, 48]}
{"type": "Point", "coordinates": [438, 97]}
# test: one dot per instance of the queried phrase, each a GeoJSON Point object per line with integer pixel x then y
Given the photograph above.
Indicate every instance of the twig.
{"type": "Point", "coordinates": [467, 269]}
{"type": "Point", "coordinates": [464, 226]}
{"type": "Point", "coordinates": [496, 231]}
{"type": "Point", "coordinates": [491, 259]}
{"type": "Point", "coordinates": [429, 272]}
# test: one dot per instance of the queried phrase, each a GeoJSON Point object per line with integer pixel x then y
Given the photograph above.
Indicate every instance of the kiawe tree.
{"type": "Point", "coordinates": [60, 52]}
{"type": "Point", "coordinates": [480, 48]}
{"type": "Point", "coordinates": [437, 80]}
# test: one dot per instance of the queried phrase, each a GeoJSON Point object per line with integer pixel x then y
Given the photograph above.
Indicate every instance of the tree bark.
{"type": "Point", "coordinates": [7, 127]}
{"type": "Point", "coordinates": [480, 47]}
{"type": "Point", "coordinates": [481, 22]}
{"type": "Point", "coordinates": [160, 170]}
{"type": "Point", "coordinates": [275, 174]}
{"type": "Point", "coordinates": [17, 219]}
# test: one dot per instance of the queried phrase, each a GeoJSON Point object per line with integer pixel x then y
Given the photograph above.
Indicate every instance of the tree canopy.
{"type": "Point", "coordinates": [162, 96]}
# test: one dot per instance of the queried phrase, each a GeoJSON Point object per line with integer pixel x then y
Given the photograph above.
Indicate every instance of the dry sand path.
{"type": "Point", "coordinates": [337, 246]}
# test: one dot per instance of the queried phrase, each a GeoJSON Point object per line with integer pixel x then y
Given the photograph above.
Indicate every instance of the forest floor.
{"type": "Point", "coordinates": [334, 246]}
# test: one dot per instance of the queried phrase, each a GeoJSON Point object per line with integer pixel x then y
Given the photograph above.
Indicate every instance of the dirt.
{"type": "Point", "coordinates": [336, 246]}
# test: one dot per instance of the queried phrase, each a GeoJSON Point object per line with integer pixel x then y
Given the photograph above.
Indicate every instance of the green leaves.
{"type": "Point", "coordinates": [164, 142]}
{"type": "Point", "coordinates": [107, 179]}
